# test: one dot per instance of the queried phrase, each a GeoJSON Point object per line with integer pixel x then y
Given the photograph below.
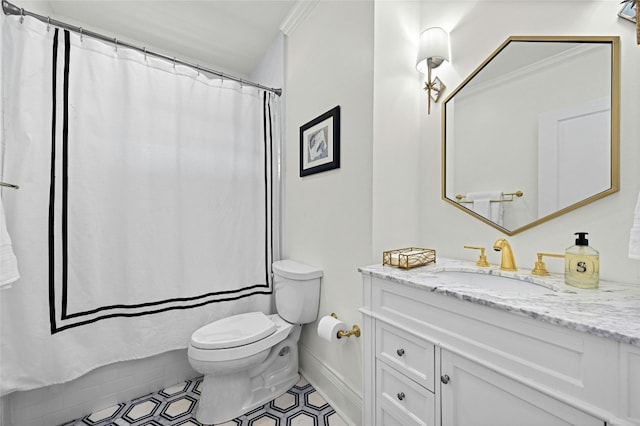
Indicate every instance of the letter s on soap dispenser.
{"type": "Point", "coordinates": [582, 264]}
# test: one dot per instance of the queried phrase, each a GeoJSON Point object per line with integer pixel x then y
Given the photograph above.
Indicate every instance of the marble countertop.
{"type": "Point", "coordinates": [612, 311]}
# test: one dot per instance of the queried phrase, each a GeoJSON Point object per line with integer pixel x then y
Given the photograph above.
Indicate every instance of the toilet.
{"type": "Point", "coordinates": [252, 358]}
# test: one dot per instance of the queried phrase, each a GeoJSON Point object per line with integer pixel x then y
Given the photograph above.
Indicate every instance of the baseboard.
{"type": "Point", "coordinates": [343, 398]}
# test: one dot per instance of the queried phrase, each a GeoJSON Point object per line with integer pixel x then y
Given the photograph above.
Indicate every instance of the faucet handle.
{"type": "Point", "coordinates": [482, 260]}
{"type": "Point", "coordinates": [540, 268]}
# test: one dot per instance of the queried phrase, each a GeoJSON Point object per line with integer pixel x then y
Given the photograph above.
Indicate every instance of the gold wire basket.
{"type": "Point", "coordinates": [409, 257]}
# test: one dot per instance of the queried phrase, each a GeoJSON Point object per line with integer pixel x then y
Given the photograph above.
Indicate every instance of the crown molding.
{"type": "Point", "coordinates": [529, 69]}
{"type": "Point", "coordinates": [298, 13]}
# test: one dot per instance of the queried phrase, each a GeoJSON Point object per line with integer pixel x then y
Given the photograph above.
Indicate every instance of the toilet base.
{"type": "Point", "coordinates": [220, 395]}
{"type": "Point", "coordinates": [225, 397]}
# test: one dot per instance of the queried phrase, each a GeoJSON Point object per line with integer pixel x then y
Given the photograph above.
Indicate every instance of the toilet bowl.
{"type": "Point", "coordinates": [252, 358]}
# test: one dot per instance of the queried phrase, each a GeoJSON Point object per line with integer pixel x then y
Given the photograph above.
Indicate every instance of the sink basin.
{"type": "Point", "coordinates": [496, 279]}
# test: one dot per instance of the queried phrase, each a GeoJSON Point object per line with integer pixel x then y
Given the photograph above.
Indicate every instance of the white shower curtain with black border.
{"type": "Point", "coordinates": [146, 205]}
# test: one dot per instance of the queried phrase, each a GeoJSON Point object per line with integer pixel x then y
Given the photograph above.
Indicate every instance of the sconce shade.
{"type": "Point", "coordinates": [434, 46]}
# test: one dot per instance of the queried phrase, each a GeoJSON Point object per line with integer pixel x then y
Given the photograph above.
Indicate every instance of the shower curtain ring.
{"type": "Point", "coordinates": [115, 43]}
{"type": "Point", "coordinates": [198, 68]}
{"type": "Point", "coordinates": [144, 52]}
{"type": "Point", "coordinates": [81, 35]}
{"type": "Point", "coordinates": [48, 23]}
{"type": "Point", "coordinates": [21, 15]}
{"type": "Point", "coordinates": [174, 62]}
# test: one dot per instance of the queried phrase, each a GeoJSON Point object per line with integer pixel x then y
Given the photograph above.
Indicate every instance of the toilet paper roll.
{"type": "Point", "coordinates": [328, 328]}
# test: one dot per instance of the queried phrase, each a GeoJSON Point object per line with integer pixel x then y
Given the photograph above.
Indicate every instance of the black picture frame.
{"type": "Point", "coordinates": [320, 143]}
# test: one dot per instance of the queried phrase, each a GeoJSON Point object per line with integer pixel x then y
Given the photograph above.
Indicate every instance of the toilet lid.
{"type": "Point", "coordinates": [231, 332]}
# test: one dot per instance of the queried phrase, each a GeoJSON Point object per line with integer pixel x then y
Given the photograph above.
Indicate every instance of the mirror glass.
{"type": "Point", "coordinates": [532, 133]}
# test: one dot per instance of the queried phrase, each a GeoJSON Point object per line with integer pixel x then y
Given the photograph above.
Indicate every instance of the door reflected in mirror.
{"type": "Point", "coordinates": [532, 133]}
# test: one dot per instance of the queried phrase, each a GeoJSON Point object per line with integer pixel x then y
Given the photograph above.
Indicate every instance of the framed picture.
{"type": "Point", "coordinates": [628, 11]}
{"type": "Point", "coordinates": [320, 143]}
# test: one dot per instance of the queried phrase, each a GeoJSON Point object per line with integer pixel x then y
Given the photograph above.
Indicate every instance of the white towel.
{"type": "Point", "coordinates": [483, 206]}
{"type": "Point", "coordinates": [634, 237]}
{"type": "Point", "coordinates": [8, 262]}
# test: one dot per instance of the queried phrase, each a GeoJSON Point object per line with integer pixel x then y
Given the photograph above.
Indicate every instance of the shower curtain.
{"type": "Point", "coordinates": [146, 206]}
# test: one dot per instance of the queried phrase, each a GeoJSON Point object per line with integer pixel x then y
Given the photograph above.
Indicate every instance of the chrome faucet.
{"type": "Point", "coordinates": [508, 262]}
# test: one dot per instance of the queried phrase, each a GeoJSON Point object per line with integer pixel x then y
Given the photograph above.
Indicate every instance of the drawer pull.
{"type": "Point", "coordinates": [401, 396]}
{"type": "Point", "coordinates": [444, 379]}
{"type": "Point", "coordinates": [400, 352]}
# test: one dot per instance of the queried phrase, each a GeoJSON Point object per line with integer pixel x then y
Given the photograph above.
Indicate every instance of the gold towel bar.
{"type": "Point", "coordinates": [461, 197]}
{"type": "Point", "coordinates": [9, 185]}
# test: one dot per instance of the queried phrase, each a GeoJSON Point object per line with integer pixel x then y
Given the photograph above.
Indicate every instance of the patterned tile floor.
{"type": "Point", "coordinates": [301, 405]}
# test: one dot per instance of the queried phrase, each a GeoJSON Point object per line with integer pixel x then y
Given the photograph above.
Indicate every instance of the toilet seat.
{"type": "Point", "coordinates": [280, 332]}
{"type": "Point", "coordinates": [234, 331]}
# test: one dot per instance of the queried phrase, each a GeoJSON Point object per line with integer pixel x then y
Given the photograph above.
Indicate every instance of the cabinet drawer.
{"type": "Point", "coordinates": [403, 399]}
{"type": "Point", "coordinates": [388, 417]}
{"type": "Point", "coordinates": [410, 355]}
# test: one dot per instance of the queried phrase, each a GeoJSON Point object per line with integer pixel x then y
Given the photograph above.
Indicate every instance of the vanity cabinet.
{"type": "Point", "coordinates": [473, 394]}
{"type": "Point", "coordinates": [432, 359]}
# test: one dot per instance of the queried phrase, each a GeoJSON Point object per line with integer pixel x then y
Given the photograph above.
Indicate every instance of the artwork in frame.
{"type": "Point", "coordinates": [629, 11]}
{"type": "Point", "coordinates": [320, 143]}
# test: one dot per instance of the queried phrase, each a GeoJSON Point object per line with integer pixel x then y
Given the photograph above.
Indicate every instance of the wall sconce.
{"type": "Point", "coordinates": [433, 51]}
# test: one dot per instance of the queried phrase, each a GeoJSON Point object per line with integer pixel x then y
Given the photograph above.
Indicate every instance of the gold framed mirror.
{"type": "Point", "coordinates": [533, 132]}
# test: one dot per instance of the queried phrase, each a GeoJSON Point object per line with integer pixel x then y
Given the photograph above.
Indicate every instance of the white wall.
{"type": "Point", "coordinates": [397, 103]}
{"type": "Point", "coordinates": [270, 71]}
{"type": "Point", "coordinates": [328, 215]}
{"type": "Point", "coordinates": [477, 28]}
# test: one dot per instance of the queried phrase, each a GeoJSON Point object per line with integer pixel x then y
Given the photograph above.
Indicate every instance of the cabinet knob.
{"type": "Point", "coordinates": [444, 379]}
{"type": "Point", "coordinates": [400, 352]}
{"type": "Point", "coordinates": [401, 396]}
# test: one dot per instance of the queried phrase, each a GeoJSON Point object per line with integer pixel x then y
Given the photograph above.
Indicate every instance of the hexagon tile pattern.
{"type": "Point", "coordinates": [301, 405]}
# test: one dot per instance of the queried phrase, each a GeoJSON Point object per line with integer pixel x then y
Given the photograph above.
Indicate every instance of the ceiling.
{"type": "Point", "coordinates": [230, 36]}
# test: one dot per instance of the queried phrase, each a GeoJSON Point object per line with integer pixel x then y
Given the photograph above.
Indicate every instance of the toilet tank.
{"type": "Point", "coordinates": [297, 291]}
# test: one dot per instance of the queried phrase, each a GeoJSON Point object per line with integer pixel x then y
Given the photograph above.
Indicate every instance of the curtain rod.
{"type": "Point", "coordinates": [11, 9]}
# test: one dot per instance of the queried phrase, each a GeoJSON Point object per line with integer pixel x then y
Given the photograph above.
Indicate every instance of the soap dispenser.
{"type": "Point", "coordinates": [582, 264]}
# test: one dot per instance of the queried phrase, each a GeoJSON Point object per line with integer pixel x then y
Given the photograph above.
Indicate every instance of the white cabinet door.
{"type": "Point", "coordinates": [474, 395]}
{"type": "Point", "coordinates": [630, 382]}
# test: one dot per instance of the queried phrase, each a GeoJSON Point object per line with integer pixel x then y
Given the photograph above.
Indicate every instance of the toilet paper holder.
{"type": "Point", "coordinates": [355, 330]}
